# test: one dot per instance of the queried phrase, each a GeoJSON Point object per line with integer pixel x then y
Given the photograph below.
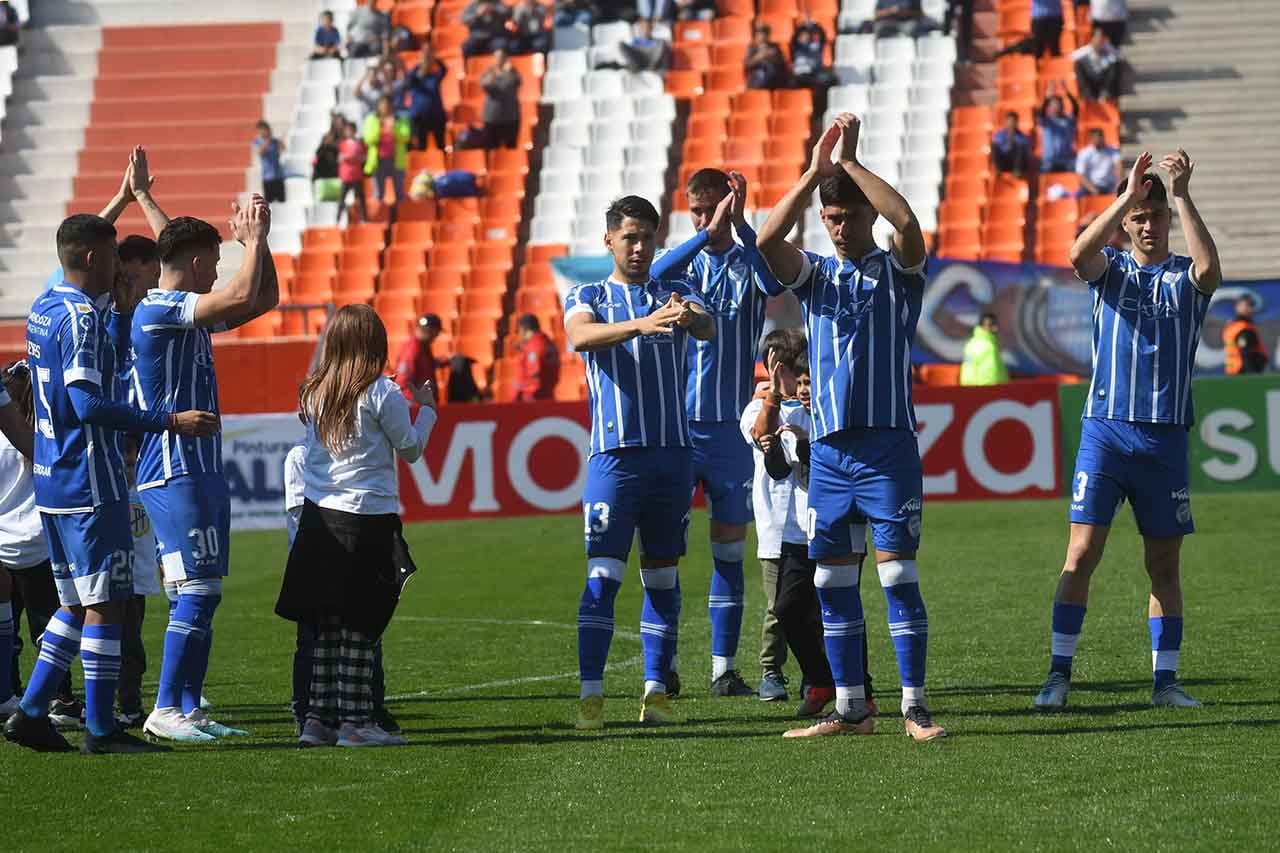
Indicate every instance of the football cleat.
{"type": "Point", "coordinates": [656, 709]}
{"type": "Point", "coordinates": [731, 684]}
{"type": "Point", "coordinates": [773, 687]}
{"type": "Point", "coordinates": [205, 704]}
{"type": "Point", "coordinates": [316, 733]}
{"type": "Point", "coordinates": [590, 713]}
{"type": "Point", "coordinates": [835, 724]}
{"type": "Point", "coordinates": [172, 724]}
{"type": "Point", "coordinates": [36, 733]}
{"type": "Point", "coordinates": [1053, 696]}
{"type": "Point", "coordinates": [119, 742]}
{"type": "Point", "coordinates": [920, 726]}
{"type": "Point", "coordinates": [9, 707]}
{"type": "Point", "coordinates": [673, 684]}
{"type": "Point", "coordinates": [815, 700]}
{"type": "Point", "coordinates": [131, 718]}
{"type": "Point", "coordinates": [201, 721]}
{"type": "Point", "coordinates": [351, 735]}
{"type": "Point", "coordinates": [1173, 696]}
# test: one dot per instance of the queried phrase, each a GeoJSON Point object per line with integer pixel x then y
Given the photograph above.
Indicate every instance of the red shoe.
{"type": "Point", "coordinates": [815, 700]}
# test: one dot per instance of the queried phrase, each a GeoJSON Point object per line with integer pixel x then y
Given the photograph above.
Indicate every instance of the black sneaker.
{"type": "Point", "coordinates": [383, 719]}
{"type": "Point", "coordinates": [673, 684]}
{"type": "Point", "coordinates": [118, 742]}
{"type": "Point", "coordinates": [67, 713]}
{"type": "Point", "coordinates": [35, 733]}
{"type": "Point", "coordinates": [731, 684]}
{"type": "Point", "coordinates": [131, 718]}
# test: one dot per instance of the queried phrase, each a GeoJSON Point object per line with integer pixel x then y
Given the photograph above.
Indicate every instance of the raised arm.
{"type": "Point", "coordinates": [908, 239]}
{"type": "Point", "coordinates": [234, 303]}
{"type": "Point", "coordinates": [765, 280]}
{"type": "Point", "coordinates": [784, 260]}
{"type": "Point", "coordinates": [140, 182]}
{"type": "Point", "coordinates": [675, 263]}
{"type": "Point", "coordinates": [1206, 266]}
{"type": "Point", "coordinates": [769, 418]}
{"type": "Point", "coordinates": [1086, 252]}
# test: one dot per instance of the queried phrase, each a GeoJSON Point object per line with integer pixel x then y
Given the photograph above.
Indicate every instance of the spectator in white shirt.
{"type": "Point", "coordinates": [349, 559]}
{"type": "Point", "coordinates": [1099, 166]}
{"type": "Point", "coordinates": [1112, 17]}
{"type": "Point", "coordinates": [1098, 67]}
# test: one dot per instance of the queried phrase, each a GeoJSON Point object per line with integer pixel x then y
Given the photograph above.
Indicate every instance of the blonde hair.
{"type": "Point", "coordinates": [353, 357]}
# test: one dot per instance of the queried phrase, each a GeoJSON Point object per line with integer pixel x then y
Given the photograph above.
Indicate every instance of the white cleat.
{"type": "Point", "coordinates": [1053, 696]}
{"type": "Point", "coordinates": [172, 724]}
{"type": "Point", "coordinates": [1173, 696]}
{"type": "Point", "coordinates": [354, 736]}
{"type": "Point", "coordinates": [205, 704]}
{"type": "Point", "coordinates": [201, 721]}
{"type": "Point", "coordinates": [9, 707]}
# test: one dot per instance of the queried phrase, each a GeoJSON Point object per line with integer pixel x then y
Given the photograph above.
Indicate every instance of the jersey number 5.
{"type": "Point", "coordinates": [44, 424]}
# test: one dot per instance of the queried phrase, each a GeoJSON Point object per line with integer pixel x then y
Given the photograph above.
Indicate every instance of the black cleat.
{"type": "Point", "coordinates": [731, 684]}
{"type": "Point", "coordinates": [67, 713]}
{"type": "Point", "coordinates": [673, 684]}
{"type": "Point", "coordinates": [383, 719]}
{"type": "Point", "coordinates": [35, 733]}
{"type": "Point", "coordinates": [118, 742]}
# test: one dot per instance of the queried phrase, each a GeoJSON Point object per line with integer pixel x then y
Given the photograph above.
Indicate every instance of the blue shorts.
{"type": "Point", "coordinates": [871, 473]}
{"type": "Point", "coordinates": [192, 519]}
{"type": "Point", "coordinates": [91, 554]}
{"type": "Point", "coordinates": [1146, 464]}
{"type": "Point", "coordinates": [637, 488]}
{"type": "Point", "coordinates": [723, 463]}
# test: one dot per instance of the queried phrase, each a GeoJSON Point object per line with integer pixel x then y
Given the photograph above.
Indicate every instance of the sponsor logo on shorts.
{"type": "Point", "coordinates": [42, 470]}
{"type": "Point", "coordinates": [1077, 507]}
{"type": "Point", "coordinates": [913, 505]}
{"type": "Point", "coordinates": [1181, 495]}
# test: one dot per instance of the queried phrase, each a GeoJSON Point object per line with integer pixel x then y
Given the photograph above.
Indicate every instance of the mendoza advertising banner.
{"type": "Point", "coordinates": [1235, 443]}
{"type": "Point", "coordinates": [253, 452]}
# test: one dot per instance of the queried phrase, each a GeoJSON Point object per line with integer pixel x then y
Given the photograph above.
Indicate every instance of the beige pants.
{"type": "Point", "coordinates": [773, 645]}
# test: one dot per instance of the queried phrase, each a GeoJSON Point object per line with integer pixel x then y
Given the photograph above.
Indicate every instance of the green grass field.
{"type": "Point", "coordinates": [482, 662]}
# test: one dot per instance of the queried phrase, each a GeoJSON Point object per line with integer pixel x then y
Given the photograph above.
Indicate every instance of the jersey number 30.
{"type": "Point", "coordinates": [204, 543]}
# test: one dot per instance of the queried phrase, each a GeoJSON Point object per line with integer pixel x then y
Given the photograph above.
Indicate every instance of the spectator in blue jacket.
{"type": "Point", "coordinates": [269, 150]}
{"type": "Point", "coordinates": [328, 41]}
{"type": "Point", "coordinates": [1057, 130]}
{"type": "Point", "coordinates": [427, 115]}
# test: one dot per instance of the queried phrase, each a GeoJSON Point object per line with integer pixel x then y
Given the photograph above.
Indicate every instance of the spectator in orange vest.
{"type": "Point", "coordinates": [416, 363]}
{"type": "Point", "coordinates": [1242, 343]}
{"type": "Point", "coordinates": [539, 362]}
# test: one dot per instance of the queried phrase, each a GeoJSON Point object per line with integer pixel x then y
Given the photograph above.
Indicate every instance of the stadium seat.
{"type": "Point", "coordinates": [449, 280]}
{"type": "Point", "coordinates": [400, 280]}
{"type": "Point", "coordinates": [312, 287]}
{"type": "Point", "coordinates": [417, 233]}
{"type": "Point", "coordinates": [396, 304]}
{"type": "Point", "coordinates": [260, 328]}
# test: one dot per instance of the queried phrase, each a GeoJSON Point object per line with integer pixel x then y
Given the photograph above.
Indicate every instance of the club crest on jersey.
{"type": "Point", "coordinates": [86, 322]}
{"type": "Point", "coordinates": [139, 521]}
{"type": "Point", "coordinates": [84, 309]}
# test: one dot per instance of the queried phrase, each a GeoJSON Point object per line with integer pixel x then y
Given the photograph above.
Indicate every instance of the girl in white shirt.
{"type": "Point", "coordinates": [349, 559]}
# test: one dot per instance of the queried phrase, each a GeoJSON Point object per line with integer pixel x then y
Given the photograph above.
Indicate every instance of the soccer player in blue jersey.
{"type": "Point", "coordinates": [632, 331]}
{"type": "Point", "coordinates": [861, 307]}
{"type": "Point", "coordinates": [1148, 306]}
{"type": "Point", "coordinates": [181, 483]}
{"type": "Point", "coordinates": [80, 487]}
{"type": "Point", "coordinates": [733, 282]}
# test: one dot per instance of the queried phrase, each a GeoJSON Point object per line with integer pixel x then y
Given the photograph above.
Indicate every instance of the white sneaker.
{"type": "Point", "coordinates": [9, 707]}
{"type": "Point", "coordinates": [1173, 696]}
{"type": "Point", "coordinates": [1053, 696]}
{"type": "Point", "coordinates": [172, 724]}
{"type": "Point", "coordinates": [205, 704]}
{"type": "Point", "coordinates": [201, 721]}
{"type": "Point", "coordinates": [368, 735]}
{"type": "Point", "coordinates": [316, 733]}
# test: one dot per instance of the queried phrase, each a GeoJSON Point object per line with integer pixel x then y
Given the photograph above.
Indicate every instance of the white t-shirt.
{"type": "Point", "coordinates": [22, 542]}
{"type": "Point", "coordinates": [146, 571]}
{"type": "Point", "coordinates": [1098, 166]}
{"type": "Point", "coordinates": [773, 501]}
{"type": "Point", "coordinates": [1109, 10]}
{"type": "Point", "coordinates": [362, 479]}
{"type": "Point", "coordinates": [294, 486]}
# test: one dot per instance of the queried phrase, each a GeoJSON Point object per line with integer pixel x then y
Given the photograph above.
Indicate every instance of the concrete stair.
{"type": "Point", "coordinates": [1206, 80]}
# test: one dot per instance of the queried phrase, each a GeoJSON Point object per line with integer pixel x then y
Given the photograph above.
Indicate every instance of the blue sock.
{"type": "Point", "coordinates": [183, 637]}
{"type": "Point", "coordinates": [725, 605]}
{"type": "Point", "coordinates": [59, 646]}
{"type": "Point", "coordinates": [100, 655]}
{"type": "Point", "coordinates": [595, 622]}
{"type": "Point", "coordinates": [193, 686]}
{"type": "Point", "coordinates": [908, 626]}
{"type": "Point", "coordinates": [843, 631]}
{"type": "Point", "coordinates": [1166, 643]}
{"type": "Point", "coordinates": [6, 649]}
{"type": "Point", "coordinates": [195, 663]}
{"type": "Point", "coordinates": [659, 625]}
{"type": "Point", "coordinates": [1068, 619]}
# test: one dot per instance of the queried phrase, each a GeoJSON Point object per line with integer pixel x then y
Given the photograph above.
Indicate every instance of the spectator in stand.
{"type": "Point", "coordinates": [427, 114]}
{"type": "Point", "coordinates": [269, 150]}
{"type": "Point", "coordinates": [1112, 17]}
{"type": "Point", "coordinates": [652, 10]}
{"type": "Point", "coordinates": [1099, 166]}
{"type": "Point", "coordinates": [487, 22]}
{"type": "Point", "coordinates": [808, 47]}
{"type": "Point", "coordinates": [351, 158]}
{"type": "Point", "coordinates": [983, 363]}
{"type": "Point", "coordinates": [574, 13]}
{"type": "Point", "coordinates": [1046, 27]}
{"type": "Point", "coordinates": [644, 52]}
{"type": "Point", "coordinates": [695, 10]}
{"type": "Point", "coordinates": [379, 81]}
{"type": "Point", "coordinates": [501, 112]}
{"type": "Point", "coordinates": [1098, 69]}
{"type": "Point", "coordinates": [1011, 148]}
{"type": "Point", "coordinates": [539, 362]}
{"type": "Point", "coordinates": [325, 185]}
{"type": "Point", "coordinates": [327, 41]}
{"type": "Point", "coordinates": [386, 137]}
{"type": "Point", "coordinates": [898, 17]}
{"type": "Point", "coordinates": [9, 24]}
{"type": "Point", "coordinates": [1057, 130]}
{"type": "Point", "coordinates": [1241, 341]}
{"type": "Point", "coordinates": [368, 32]}
{"type": "Point", "coordinates": [416, 364]}
{"type": "Point", "coordinates": [766, 66]}
{"type": "Point", "coordinates": [529, 28]}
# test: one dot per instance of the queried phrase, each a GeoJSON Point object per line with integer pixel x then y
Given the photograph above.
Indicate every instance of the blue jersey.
{"type": "Point", "coordinates": [861, 319]}
{"type": "Point", "coordinates": [173, 369]}
{"type": "Point", "coordinates": [637, 387]}
{"type": "Point", "coordinates": [119, 328]}
{"type": "Point", "coordinates": [1146, 328]}
{"type": "Point", "coordinates": [77, 466]}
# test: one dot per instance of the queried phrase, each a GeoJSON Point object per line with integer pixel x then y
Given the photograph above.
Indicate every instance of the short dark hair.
{"type": "Point", "coordinates": [630, 207]}
{"type": "Point", "coordinates": [262, 125]}
{"type": "Point", "coordinates": [840, 190]}
{"type": "Point", "coordinates": [1157, 193]}
{"type": "Point", "coordinates": [707, 181]}
{"type": "Point", "coordinates": [800, 367]}
{"type": "Point", "coordinates": [527, 321]}
{"type": "Point", "coordinates": [785, 345]}
{"type": "Point", "coordinates": [1012, 114]}
{"type": "Point", "coordinates": [136, 248]}
{"type": "Point", "coordinates": [431, 321]}
{"type": "Point", "coordinates": [327, 13]}
{"type": "Point", "coordinates": [988, 315]}
{"type": "Point", "coordinates": [185, 235]}
{"type": "Point", "coordinates": [77, 235]}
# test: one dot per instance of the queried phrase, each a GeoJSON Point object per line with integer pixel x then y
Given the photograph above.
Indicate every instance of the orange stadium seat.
{"type": "Point", "coordinates": [535, 301]}
{"type": "Point", "coordinates": [1068, 180]}
{"type": "Point", "coordinates": [547, 251]}
{"type": "Point", "coordinates": [365, 234]}
{"type": "Point", "coordinates": [361, 258]}
{"type": "Point", "coordinates": [690, 57]}
{"type": "Point", "coordinates": [972, 165]}
{"type": "Point", "coordinates": [302, 323]}
{"type": "Point", "coordinates": [972, 118]}
{"type": "Point", "coordinates": [449, 280]}
{"type": "Point", "coordinates": [317, 261]}
{"type": "Point", "coordinates": [712, 104]}
{"type": "Point", "coordinates": [399, 303]}
{"type": "Point", "coordinates": [412, 234]}
{"type": "Point", "coordinates": [509, 186]}
{"type": "Point", "coordinates": [455, 233]}
{"type": "Point", "coordinates": [726, 78]}
{"type": "Point", "coordinates": [702, 152]}
{"type": "Point", "coordinates": [732, 28]}
{"type": "Point", "coordinates": [749, 125]}
{"type": "Point", "coordinates": [683, 84]}
{"type": "Point", "coordinates": [1064, 210]}
{"type": "Point", "coordinates": [795, 125]}
{"type": "Point", "coordinates": [449, 257]}
{"type": "Point", "coordinates": [483, 303]}
{"type": "Point", "coordinates": [411, 257]}
{"type": "Point", "coordinates": [312, 287]}
{"type": "Point", "coordinates": [697, 32]}
{"type": "Point", "coordinates": [537, 275]}
{"type": "Point", "coordinates": [955, 212]}
{"type": "Point", "coordinates": [493, 255]}
{"type": "Point", "coordinates": [285, 264]}
{"type": "Point", "coordinates": [266, 326]}
{"type": "Point", "coordinates": [727, 54]}
{"type": "Point", "coordinates": [441, 302]}
{"type": "Point", "coordinates": [752, 101]}
{"type": "Point", "coordinates": [1005, 211]}
{"type": "Point", "coordinates": [355, 283]}
{"type": "Point", "coordinates": [404, 280]}
{"type": "Point", "coordinates": [476, 347]}
{"type": "Point", "coordinates": [410, 211]}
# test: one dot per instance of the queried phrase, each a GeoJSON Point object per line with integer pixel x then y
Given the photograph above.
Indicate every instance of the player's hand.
{"type": "Point", "coordinates": [794, 430]}
{"type": "Point", "coordinates": [424, 395]}
{"type": "Point", "coordinates": [238, 224]}
{"type": "Point", "coordinates": [767, 442]}
{"type": "Point", "coordinates": [258, 218]}
{"type": "Point", "coordinates": [718, 227]}
{"type": "Point", "coordinates": [685, 316]}
{"type": "Point", "coordinates": [850, 127]}
{"type": "Point", "coordinates": [139, 173]}
{"type": "Point", "coordinates": [661, 320]}
{"type": "Point", "coordinates": [195, 423]}
{"type": "Point", "coordinates": [1179, 165]}
{"type": "Point", "coordinates": [738, 186]}
{"type": "Point", "coordinates": [775, 375]}
{"type": "Point", "coordinates": [1138, 186]}
{"type": "Point", "coordinates": [820, 164]}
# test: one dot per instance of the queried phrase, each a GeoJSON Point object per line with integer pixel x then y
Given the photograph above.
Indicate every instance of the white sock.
{"type": "Point", "coordinates": [651, 687]}
{"type": "Point", "coordinates": [720, 665]}
{"type": "Point", "coordinates": [851, 701]}
{"type": "Point", "coordinates": [912, 696]}
{"type": "Point", "coordinates": [591, 688]}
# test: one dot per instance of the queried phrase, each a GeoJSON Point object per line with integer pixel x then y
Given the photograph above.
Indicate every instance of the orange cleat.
{"type": "Point", "coordinates": [835, 725]}
{"type": "Point", "coordinates": [920, 726]}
